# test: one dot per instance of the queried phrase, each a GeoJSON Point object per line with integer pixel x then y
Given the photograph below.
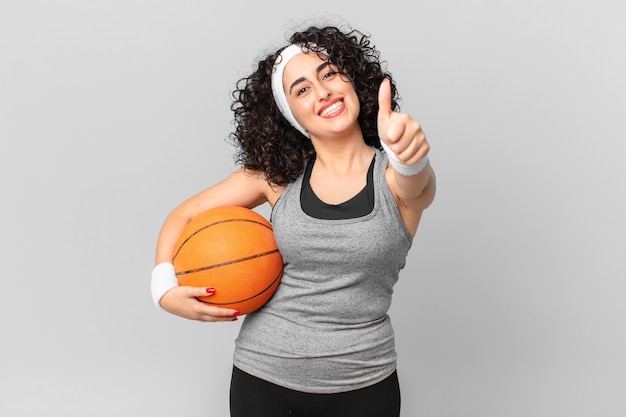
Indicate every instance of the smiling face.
{"type": "Point", "coordinates": [322, 99]}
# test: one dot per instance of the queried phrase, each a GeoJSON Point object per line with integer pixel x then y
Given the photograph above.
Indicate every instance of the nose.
{"type": "Point", "coordinates": [323, 92]}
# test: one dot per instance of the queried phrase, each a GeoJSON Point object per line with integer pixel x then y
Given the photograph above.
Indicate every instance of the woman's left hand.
{"type": "Point", "coordinates": [402, 134]}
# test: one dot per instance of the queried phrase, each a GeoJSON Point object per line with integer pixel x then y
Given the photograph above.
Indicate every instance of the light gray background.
{"type": "Point", "coordinates": [512, 301]}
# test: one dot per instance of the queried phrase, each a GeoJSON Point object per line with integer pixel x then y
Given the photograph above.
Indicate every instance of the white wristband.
{"type": "Point", "coordinates": [407, 170]}
{"type": "Point", "coordinates": [163, 280]}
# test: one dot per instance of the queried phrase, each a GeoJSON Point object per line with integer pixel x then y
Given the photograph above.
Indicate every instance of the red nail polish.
{"type": "Point", "coordinates": [210, 290]}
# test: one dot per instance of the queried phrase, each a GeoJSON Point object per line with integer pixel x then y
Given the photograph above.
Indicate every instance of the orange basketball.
{"type": "Point", "coordinates": [231, 249]}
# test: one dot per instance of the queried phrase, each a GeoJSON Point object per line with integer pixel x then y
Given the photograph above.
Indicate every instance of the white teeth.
{"type": "Point", "coordinates": [332, 108]}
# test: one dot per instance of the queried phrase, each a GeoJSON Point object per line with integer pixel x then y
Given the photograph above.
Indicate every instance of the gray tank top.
{"type": "Point", "coordinates": [326, 329]}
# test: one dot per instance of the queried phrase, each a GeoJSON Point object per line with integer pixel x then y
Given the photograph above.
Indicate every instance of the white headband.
{"type": "Point", "coordinates": [277, 84]}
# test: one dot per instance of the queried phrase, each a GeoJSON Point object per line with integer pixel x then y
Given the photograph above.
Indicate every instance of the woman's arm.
{"type": "Point", "coordinates": [413, 194]}
{"type": "Point", "coordinates": [410, 176]}
{"type": "Point", "coordinates": [242, 188]}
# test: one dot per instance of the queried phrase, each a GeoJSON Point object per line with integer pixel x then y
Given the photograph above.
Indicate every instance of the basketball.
{"type": "Point", "coordinates": [231, 249]}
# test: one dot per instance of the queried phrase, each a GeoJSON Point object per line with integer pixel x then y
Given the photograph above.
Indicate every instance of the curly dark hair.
{"type": "Point", "coordinates": [266, 142]}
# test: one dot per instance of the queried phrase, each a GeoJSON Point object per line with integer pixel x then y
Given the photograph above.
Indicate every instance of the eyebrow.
{"type": "Point", "coordinates": [317, 70]}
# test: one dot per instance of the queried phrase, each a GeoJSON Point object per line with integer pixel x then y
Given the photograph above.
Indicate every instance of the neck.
{"type": "Point", "coordinates": [343, 157]}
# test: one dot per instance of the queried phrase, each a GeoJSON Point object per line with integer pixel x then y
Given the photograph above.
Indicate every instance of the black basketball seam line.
{"type": "Point", "coordinates": [280, 273]}
{"type": "Point", "coordinates": [234, 261]}
{"type": "Point", "coordinates": [213, 224]}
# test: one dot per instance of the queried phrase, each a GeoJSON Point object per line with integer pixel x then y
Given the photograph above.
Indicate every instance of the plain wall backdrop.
{"type": "Point", "coordinates": [512, 303]}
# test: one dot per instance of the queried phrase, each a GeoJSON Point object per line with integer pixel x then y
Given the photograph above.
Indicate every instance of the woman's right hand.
{"type": "Point", "coordinates": [183, 301]}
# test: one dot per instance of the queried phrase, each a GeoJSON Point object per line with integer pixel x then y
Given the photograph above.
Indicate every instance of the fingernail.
{"type": "Point", "coordinates": [210, 290]}
{"type": "Point", "coordinates": [236, 313]}
{"type": "Point", "coordinates": [234, 319]}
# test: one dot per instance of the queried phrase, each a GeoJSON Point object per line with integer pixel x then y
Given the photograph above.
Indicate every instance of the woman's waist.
{"type": "Point", "coordinates": [314, 336]}
{"type": "Point", "coordinates": [313, 357]}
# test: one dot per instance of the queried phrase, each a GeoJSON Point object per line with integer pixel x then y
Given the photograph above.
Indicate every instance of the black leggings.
{"type": "Point", "coordinates": [254, 397]}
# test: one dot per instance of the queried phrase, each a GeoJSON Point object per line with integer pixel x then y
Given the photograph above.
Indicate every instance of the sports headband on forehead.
{"type": "Point", "coordinates": [280, 98]}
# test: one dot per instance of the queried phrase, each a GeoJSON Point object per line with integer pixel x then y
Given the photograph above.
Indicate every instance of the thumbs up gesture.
{"type": "Point", "coordinates": [400, 134]}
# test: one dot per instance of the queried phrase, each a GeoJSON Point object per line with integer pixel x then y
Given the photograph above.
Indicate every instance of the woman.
{"type": "Point", "coordinates": [310, 122]}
